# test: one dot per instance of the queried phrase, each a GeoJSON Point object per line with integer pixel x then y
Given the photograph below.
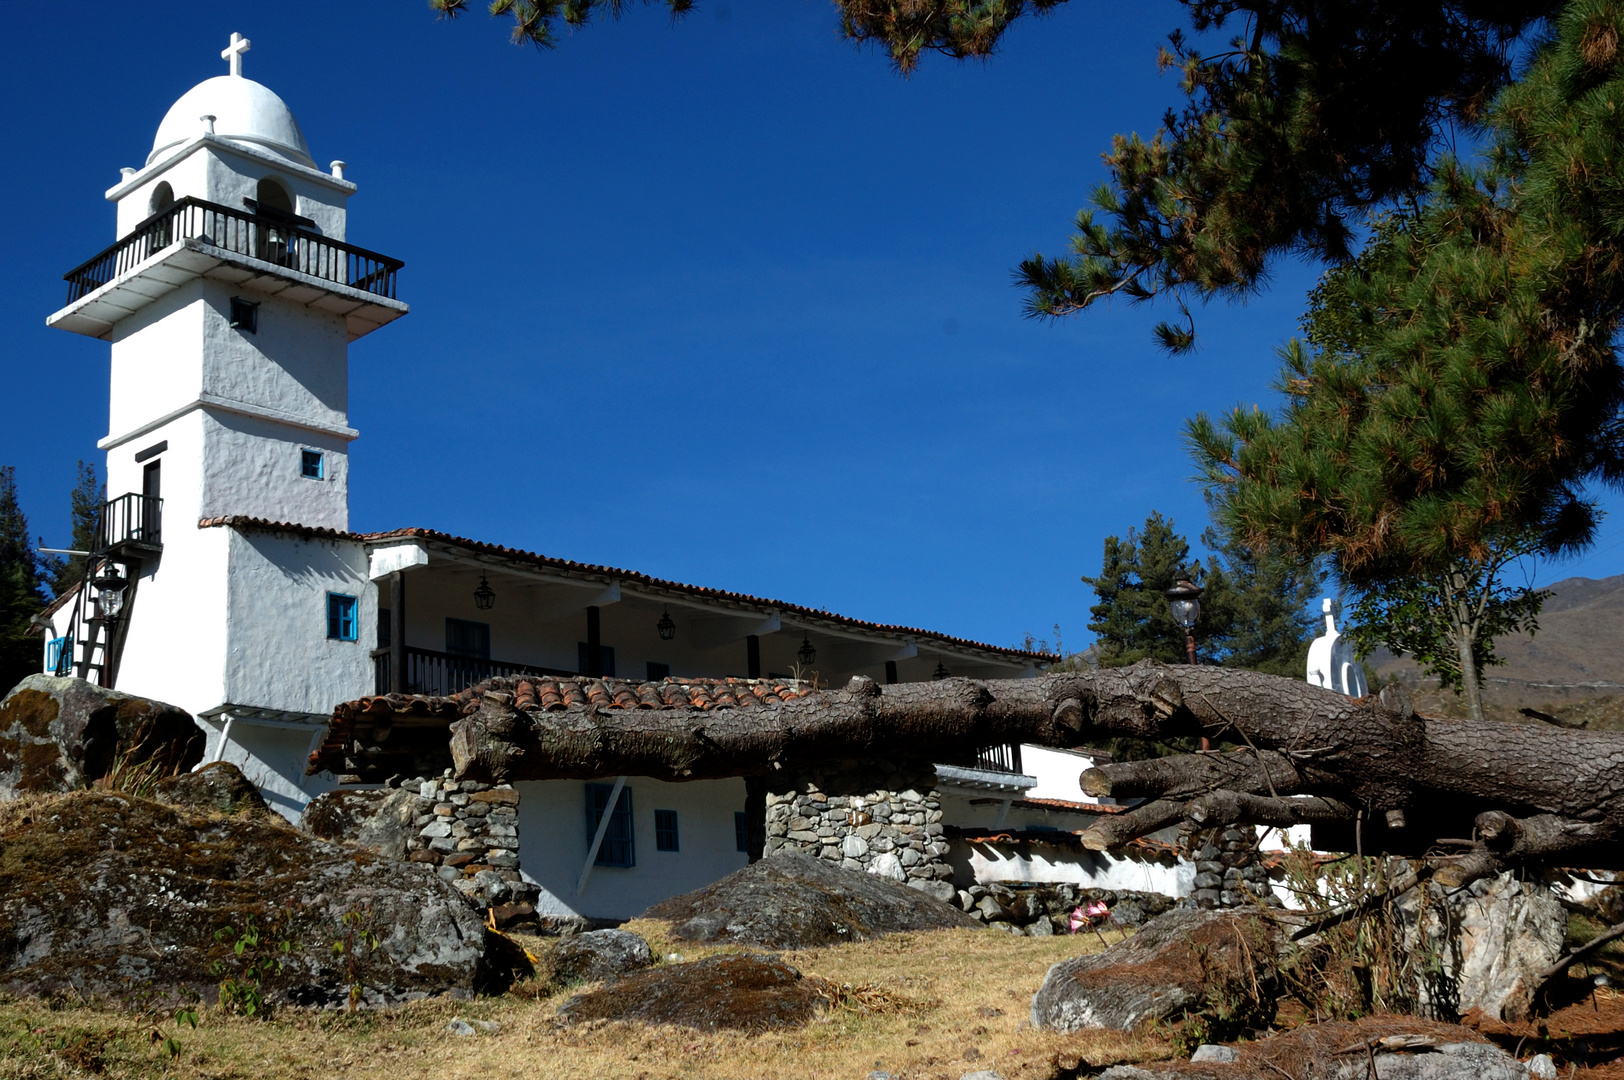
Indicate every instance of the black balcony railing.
{"type": "Point", "coordinates": [1005, 758]}
{"type": "Point", "coordinates": [259, 236]}
{"type": "Point", "coordinates": [130, 525]}
{"type": "Point", "coordinates": [438, 674]}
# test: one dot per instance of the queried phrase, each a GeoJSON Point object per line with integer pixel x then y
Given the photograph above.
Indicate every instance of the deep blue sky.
{"type": "Point", "coordinates": [725, 301]}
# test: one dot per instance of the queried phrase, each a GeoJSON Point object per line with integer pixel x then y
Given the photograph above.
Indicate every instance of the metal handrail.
{"type": "Point", "coordinates": [130, 519]}
{"type": "Point", "coordinates": [269, 238]}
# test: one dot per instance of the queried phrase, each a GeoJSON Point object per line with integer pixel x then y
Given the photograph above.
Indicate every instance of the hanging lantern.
{"type": "Point", "coordinates": [110, 586]}
{"type": "Point", "coordinates": [666, 627]}
{"type": "Point", "coordinates": [806, 654]}
{"type": "Point", "coordinates": [484, 596]}
{"type": "Point", "coordinates": [940, 673]}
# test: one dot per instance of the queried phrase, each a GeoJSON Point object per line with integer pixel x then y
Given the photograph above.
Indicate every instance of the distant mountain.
{"type": "Point", "coordinates": [1572, 668]}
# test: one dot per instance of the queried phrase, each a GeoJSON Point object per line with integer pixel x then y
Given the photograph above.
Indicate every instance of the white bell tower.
{"type": "Point", "coordinates": [229, 299]}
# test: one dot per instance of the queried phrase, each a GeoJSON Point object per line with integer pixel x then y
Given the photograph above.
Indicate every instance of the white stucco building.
{"type": "Point", "coordinates": [226, 578]}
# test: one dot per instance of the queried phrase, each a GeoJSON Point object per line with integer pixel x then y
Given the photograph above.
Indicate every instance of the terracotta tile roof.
{"type": "Point", "coordinates": [568, 566]}
{"type": "Point", "coordinates": [548, 693]}
{"type": "Point", "coordinates": [1067, 804]}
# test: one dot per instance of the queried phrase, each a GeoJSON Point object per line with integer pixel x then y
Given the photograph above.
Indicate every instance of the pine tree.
{"type": "Point", "coordinates": [20, 596]}
{"type": "Point", "coordinates": [1132, 621]}
{"type": "Point", "coordinates": [1256, 604]}
{"type": "Point", "coordinates": [1266, 607]}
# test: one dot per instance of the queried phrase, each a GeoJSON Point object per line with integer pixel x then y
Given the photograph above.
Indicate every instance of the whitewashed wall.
{"type": "Point", "coordinates": [279, 655]}
{"type": "Point", "coordinates": [553, 844]}
{"type": "Point", "coordinates": [986, 863]}
{"type": "Point", "coordinates": [176, 646]}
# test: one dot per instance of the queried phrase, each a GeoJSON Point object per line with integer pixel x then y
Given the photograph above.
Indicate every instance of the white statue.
{"type": "Point", "coordinates": [1331, 663]}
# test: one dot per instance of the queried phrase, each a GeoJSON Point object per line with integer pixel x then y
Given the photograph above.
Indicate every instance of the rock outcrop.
{"type": "Point", "coordinates": [737, 991]}
{"type": "Point", "coordinates": [65, 734]}
{"type": "Point", "coordinates": [794, 901]}
{"type": "Point", "coordinates": [219, 787]}
{"type": "Point", "coordinates": [1489, 943]}
{"type": "Point", "coordinates": [1395, 1047]}
{"type": "Point", "coordinates": [599, 955]}
{"type": "Point", "coordinates": [1184, 961]}
{"type": "Point", "coordinates": [103, 895]}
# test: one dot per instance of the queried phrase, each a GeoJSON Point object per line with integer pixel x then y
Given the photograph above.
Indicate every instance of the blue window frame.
{"type": "Point", "coordinates": [741, 831]}
{"type": "Point", "coordinates": [53, 652]}
{"type": "Point", "coordinates": [665, 830]}
{"type": "Point", "coordinates": [312, 465]}
{"type": "Point", "coordinates": [617, 848]}
{"type": "Point", "coordinates": [340, 617]}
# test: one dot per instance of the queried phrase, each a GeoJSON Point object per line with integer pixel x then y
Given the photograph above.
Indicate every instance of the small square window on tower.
{"type": "Point", "coordinates": [312, 465]}
{"type": "Point", "coordinates": [244, 315]}
{"type": "Point", "coordinates": [340, 617]}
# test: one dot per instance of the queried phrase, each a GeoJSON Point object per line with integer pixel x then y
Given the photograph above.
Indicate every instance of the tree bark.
{"type": "Point", "coordinates": [1532, 793]}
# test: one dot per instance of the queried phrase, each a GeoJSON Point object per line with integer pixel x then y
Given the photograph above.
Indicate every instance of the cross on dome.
{"type": "Point", "coordinates": [234, 51]}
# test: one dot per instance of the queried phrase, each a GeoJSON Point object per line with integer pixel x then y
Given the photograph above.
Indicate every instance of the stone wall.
{"type": "Point", "coordinates": [465, 831]}
{"type": "Point", "coordinates": [468, 832]}
{"type": "Point", "coordinates": [1228, 872]}
{"type": "Point", "coordinates": [884, 819]}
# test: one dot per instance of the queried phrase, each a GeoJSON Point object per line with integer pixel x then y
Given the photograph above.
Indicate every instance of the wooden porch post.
{"type": "Point", "coordinates": [594, 662]}
{"type": "Point", "coordinates": [752, 658]}
{"type": "Point", "coordinates": [397, 632]}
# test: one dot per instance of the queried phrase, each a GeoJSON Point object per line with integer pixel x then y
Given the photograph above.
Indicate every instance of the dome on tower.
{"type": "Point", "coordinates": [244, 111]}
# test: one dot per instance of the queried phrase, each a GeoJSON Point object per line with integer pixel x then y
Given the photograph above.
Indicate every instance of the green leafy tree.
{"type": "Point", "coordinates": [20, 595]}
{"type": "Point", "coordinates": [1448, 620]}
{"type": "Point", "coordinates": [84, 504]}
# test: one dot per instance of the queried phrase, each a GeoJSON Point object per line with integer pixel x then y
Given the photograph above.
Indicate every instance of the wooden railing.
{"type": "Point", "coordinates": [438, 674]}
{"type": "Point", "coordinates": [260, 236]}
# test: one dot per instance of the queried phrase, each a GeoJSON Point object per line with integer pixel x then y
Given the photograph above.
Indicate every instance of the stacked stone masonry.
{"type": "Point", "coordinates": [467, 832]}
{"type": "Point", "coordinates": [1045, 909]}
{"type": "Point", "coordinates": [892, 829]}
{"type": "Point", "coordinates": [1227, 870]}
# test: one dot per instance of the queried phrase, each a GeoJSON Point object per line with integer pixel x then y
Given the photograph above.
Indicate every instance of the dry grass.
{"type": "Point", "coordinates": [921, 1005]}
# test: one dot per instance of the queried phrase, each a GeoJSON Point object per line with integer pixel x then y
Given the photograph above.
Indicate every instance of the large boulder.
{"type": "Point", "coordinates": [377, 819]}
{"type": "Point", "coordinates": [219, 787]}
{"type": "Point", "coordinates": [599, 955]}
{"type": "Point", "coordinates": [793, 901]}
{"type": "Point", "coordinates": [738, 991]}
{"type": "Point", "coordinates": [65, 734]}
{"type": "Point", "coordinates": [1390, 1047]}
{"type": "Point", "coordinates": [1486, 944]}
{"type": "Point", "coordinates": [103, 893]}
{"type": "Point", "coordinates": [1184, 961]}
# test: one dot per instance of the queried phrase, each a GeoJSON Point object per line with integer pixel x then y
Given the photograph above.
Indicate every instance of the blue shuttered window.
{"type": "Point", "coordinates": [617, 848]}
{"type": "Point", "coordinates": [340, 617]}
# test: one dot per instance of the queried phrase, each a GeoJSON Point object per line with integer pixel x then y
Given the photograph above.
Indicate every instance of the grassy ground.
{"type": "Point", "coordinates": [921, 1005]}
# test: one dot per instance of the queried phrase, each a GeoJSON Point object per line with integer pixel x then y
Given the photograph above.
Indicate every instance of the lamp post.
{"type": "Point", "coordinates": [1184, 600]}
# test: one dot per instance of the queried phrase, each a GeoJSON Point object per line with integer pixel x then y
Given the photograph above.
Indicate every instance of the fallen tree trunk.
{"type": "Point", "coordinates": [1400, 783]}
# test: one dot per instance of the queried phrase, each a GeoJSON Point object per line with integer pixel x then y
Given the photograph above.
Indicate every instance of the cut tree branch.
{"type": "Point", "coordinates": [1546, 795]}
